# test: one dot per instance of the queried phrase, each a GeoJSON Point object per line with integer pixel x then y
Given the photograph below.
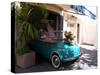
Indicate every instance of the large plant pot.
{"type": "Point", "coordinates": [26, 60]}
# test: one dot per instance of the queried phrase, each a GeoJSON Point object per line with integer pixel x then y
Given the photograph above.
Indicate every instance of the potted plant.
{"type": "Point", "coordinates": [69, 37]}
{"type": "Point", "coordinates": [25, 58]}
{"type": "Point", "coordinates": [28, 19]}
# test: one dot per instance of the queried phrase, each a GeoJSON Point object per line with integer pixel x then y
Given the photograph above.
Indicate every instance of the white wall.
{"type": "Point", "coordinates": [88, 30]}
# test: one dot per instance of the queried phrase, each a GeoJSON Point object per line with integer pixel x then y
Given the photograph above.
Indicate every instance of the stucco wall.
{"type": "Point", "coordinates": [88, 30]}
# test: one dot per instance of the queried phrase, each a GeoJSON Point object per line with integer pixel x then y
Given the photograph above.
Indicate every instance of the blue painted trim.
{"type": "Point", "coordinates": [81, 10]}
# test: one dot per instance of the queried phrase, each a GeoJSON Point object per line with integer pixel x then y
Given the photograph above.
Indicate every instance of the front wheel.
{"type": "Point", "coordinates": [55, 61]}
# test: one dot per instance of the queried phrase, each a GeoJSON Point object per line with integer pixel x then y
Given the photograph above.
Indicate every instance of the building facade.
{"type": "Point", "coordinates": [66, 18]}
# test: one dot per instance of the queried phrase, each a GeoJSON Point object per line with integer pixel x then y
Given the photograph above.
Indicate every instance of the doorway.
{"type": "Point", "coordinates": [78, 30]}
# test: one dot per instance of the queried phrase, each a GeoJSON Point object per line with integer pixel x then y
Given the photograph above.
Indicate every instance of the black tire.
{"type": "Point", "coordinates": [55, 61]}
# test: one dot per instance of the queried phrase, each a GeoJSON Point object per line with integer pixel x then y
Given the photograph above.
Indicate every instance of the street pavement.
{"type": "Point", "coordinates": [88, 60]}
